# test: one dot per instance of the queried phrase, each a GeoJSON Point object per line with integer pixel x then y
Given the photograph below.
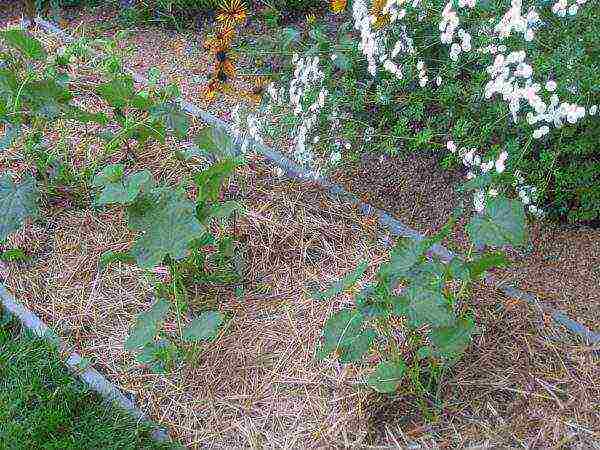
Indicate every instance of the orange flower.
{"type": "Point", "coordinates": [338, 6]}
{"type": "Point", "coordinates": [232, 12]}
{"type": "Point", "coordinates": [210, 91]}
{"type": "Point", "coordinates": [224, 70]}
{"type": "Point", "coordinates": [223, 37]}
{"type": "Point", "coordinates": [377, 12]}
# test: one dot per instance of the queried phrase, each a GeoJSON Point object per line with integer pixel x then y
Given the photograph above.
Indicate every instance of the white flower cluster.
{"type": "Point", "coordinates": [370, 42]}
{"type": "Point", "coordinates": [470, 158]}
{"type": "Point", "coordinates": [505, 73]}
{"type": "Point", "coordinates": [476, 165]}
{"type": "Point", "coordinates": [307, 77]}
{"type": "Point", "coordinates": [373, 44]}
{"type": "Point", "coordinates": [423, 79]}
{"type": "Point", "coordinates": [513, 20]}
{"type": "Point", "coordinates": [245, 130]}
{"type": "Point", "coordinates": [562, 7]}
{"type": "Point", "coordinates": [528, 195]}
{"type": "Point", "coordinates": [448, 26]}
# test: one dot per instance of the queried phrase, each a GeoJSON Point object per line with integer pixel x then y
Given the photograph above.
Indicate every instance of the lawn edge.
{"type": "Point", "coordinates": [75, 363]}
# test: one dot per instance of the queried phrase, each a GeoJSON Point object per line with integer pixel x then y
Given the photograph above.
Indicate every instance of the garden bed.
{"type": "Point", "coordinates": [560, 264]}
{"type": "Point", "coordinates": [523, 381]}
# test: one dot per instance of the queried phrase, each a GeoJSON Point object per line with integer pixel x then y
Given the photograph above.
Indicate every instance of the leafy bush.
{"type": "Point", "coordinates": [295, 6]}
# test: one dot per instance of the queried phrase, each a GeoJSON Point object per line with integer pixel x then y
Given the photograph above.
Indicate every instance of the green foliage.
{"type": "Point", "coordinates": [205, 327]}
{"type": "Point", "coordinates": [437, 330]}
{"type": "Point", "coordinates": [43, 406]}
{"type": "Point", "coordinates": [502, 223]}
{"type": "Point", "coordinates": [345, 283]}
{"type": "Point", "coordinates": [29, 47]}
{"type": "Point", "coordinates": [394, 114]}
{"type": "Point", "coordinates": [147, 325]}
{"type": "Point", "coordinates": [17, 203]}
{"type": "Point", "coordinates": [168, 223]}
{"type": "Point", "coordinates": [344, 334]}
{"type": "Point", "coordinates": [117, 189]}
{"type": "Point", "coordinates": [387, 376]}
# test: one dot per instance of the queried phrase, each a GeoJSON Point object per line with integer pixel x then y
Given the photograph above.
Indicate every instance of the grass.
{"type": "Point", "coordinates": [43, 406]}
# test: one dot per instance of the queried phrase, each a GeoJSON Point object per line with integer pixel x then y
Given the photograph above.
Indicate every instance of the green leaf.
{"type": "Point", "coordinates": [110, 174]}
{"type": "Point", "coordinates": [14, 255]}
{"type": "Point", "coordinates": [11, 133]}
{"type": "Point", "coordinates": [216, 142]}
{"type": "Point", "coordinates": [17, 203]}
{"type": "Point", "coordinates": [343, 334]}
{"type": "Point", "coordinates": [356, 348]}
{"type": "Point", "coordinates": [289, 35]}
{"type": "Point", "coordinates": [427, 307]}
{"type": "Point", "coordinates": [168, 222]}
{"type": "Point", "coordinates": [387, 376]}
{"type": "Point", "coordinates": [122, 191]}
{"type": "Point", "coordinates": [451, 341]}
{"type": "Point", "coordinates": [8, 82]}
{"type": "Point", "coordinates": [479, 182]}
{"type": "Point", "coordinates": [118, 92]}
{"type": "Point", "coordinates": [349, 280]}
{"type": "Point", "coordinates": [210, 181]}
{"type": "Point", "coordinates": [502, 222]}
{"type": "Point", "coordinates": [147, 325]}
{"type": "Point", "coordinates": [225, 209]}
{"type": "Point", "coordinates": [154, 75]}
{"type": "Point", "coordinates": [46, 98]}
{"type": "Point", "coordinates": [173, 118]}
{"type": "Point", "coordinates": [341, 61]}
{"type": "Point", "coordinates": [458, 270]}
{"type": "Point", "coordinates": [485, 262]}
{"type": "Point", "coordinates": [204, 327]}
{"type": "Point", "coordinates": [405, 255]}
{"type": "Point", "coordinates": [428, 273]}
{"type": "Point", "coordinates": [78, 114]}
{"type": "Point", "coordinates": [157, 355]}
{"type": "Point", "coordinates": [28, 46]}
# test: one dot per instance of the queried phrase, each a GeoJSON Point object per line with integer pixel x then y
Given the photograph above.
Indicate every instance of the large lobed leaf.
{"type": "Point", "coordinates": [427, 306]}
{"type": "Point", "coordinates": [204, 327]}
{"type": "Point", "coordinates": [343, 334]}
{"type": "Point", "coordinates": [118, 92]}
{"type": "Point", "coordinates": [451, 341]}
{"type": "Point", "coordinates": [349, 280]}
{"type": "Point", "coordinates": [387, 376]}
{"type": "Point", "coordinates": [17, 203]}
{"type": "Point", "coordinates": [173, 118]}
{"type": "Point", "coordinates": [168, 222]}
{"type": "Point", "coordinates": [215, 141]}
{"type": "Point", "coordinates": [120, 190]}
{"type": "Point", "coordinates": [502, 223]}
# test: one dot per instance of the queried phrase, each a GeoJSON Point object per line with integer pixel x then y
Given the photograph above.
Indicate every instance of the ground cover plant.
{"type": "Point", "coordinates": [42, 405]}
